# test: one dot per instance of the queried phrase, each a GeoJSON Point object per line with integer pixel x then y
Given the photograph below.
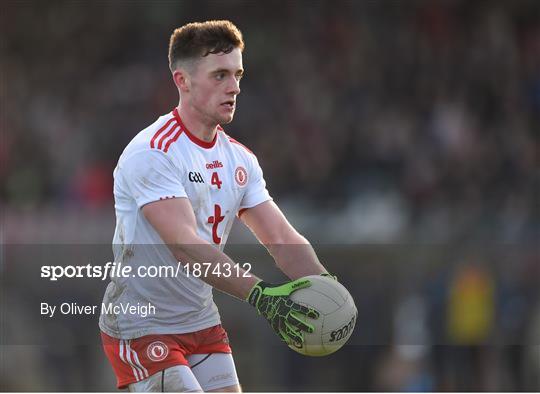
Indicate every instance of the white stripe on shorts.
{"type": "Point", "coordinates": [130, 359]}
{"type": "Point", "coordinates": [127, 359]}
{"type": "Point", "coordinates": [136, 359]}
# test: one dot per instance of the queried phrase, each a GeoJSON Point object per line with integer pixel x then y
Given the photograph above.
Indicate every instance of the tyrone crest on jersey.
{"type": "Point", "coordinates": [240, 176]}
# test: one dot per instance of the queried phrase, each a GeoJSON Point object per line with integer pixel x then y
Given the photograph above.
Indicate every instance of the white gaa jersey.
{"type": "Point", "coordinates": [220, 178]}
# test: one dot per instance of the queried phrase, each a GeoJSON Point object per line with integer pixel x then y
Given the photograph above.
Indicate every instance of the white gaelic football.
{"type": "Point", "coordinates": [337, 319]}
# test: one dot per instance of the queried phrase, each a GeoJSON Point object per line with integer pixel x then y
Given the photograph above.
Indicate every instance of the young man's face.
{"type": "Point", "coordinates": [215, 83]}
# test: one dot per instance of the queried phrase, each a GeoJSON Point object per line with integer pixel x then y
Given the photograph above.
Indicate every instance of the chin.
{"type": "Point", "coordinates": [226, 119]}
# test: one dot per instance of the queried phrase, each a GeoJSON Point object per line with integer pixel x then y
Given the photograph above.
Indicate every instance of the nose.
{"type": "Point", "coordinates": [234, 86]}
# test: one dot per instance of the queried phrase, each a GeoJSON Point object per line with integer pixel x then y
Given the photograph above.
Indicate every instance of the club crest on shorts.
{"type": "Point", "coordinates": [240, 176]}
{"type": "Point", "coordinates": [157, 351]}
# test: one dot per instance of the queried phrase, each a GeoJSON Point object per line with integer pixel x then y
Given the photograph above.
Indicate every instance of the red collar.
{"type": "Point", "coordinates": [194, 139]}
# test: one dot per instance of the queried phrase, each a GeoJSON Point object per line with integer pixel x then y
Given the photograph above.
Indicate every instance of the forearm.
{"type": "Point", "coordinates": [194, 249]}
{"type": "Point", "coordinates": [176, 224]}
{"type": "Point", "coordinates": [295, 257]}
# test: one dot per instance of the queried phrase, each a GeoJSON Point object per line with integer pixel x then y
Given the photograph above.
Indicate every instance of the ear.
{"type": "Point", "coordinates": [181, 80]}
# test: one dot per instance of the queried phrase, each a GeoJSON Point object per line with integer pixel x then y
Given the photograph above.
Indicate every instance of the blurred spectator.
{"type": "Point", "coordinates": [437, 101]}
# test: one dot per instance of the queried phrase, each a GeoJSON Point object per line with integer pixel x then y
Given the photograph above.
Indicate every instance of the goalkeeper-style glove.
{"type": "Point", "coordinates": [273, 302]}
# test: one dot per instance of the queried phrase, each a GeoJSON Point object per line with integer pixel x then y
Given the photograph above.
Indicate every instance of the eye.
{"type": "Point", "coordinates": [220, 76]}
{"type": "Point", "coordinates": [239, 76]}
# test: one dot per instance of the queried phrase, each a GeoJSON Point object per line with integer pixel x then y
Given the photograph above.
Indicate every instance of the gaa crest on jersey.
{"type": "Point", "coordinates": [240, 176]}
{"type": "Point", "coordinates": [195, 177]}
{"type": "Point", "coordinates": [157, 351]}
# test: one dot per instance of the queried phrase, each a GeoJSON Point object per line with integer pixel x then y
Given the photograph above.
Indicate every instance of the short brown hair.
{"type": "Point", "coordinates": [199, 39]}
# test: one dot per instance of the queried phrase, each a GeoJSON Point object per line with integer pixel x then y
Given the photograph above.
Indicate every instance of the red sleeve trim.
{"type": "Point", "coordinates": [166, 135]}
{"type": "Point", "coordinates": [165, 126]}
{"type": "Point", "coordinates": [232, 140]}
{"type": "Point", "coordinates": [242, 145]}
{"type": "Point", "coordinates": [172, 140]}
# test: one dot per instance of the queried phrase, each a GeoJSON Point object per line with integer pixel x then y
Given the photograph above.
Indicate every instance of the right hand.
{"type": "Point", "coordinates": [273, 302]}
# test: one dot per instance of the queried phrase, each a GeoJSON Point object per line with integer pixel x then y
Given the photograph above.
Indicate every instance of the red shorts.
{"type": "Point", "coordinates": [134, 360]}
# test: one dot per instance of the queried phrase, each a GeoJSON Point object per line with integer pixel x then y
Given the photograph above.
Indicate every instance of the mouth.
{"type": "Point", "coordinates": [229, 104]}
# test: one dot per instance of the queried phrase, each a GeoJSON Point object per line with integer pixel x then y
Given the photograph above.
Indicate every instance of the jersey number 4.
{"type": "Point", "coordinates": [215, 180]}
{"type": "Point", "coordinates": [215, 221]}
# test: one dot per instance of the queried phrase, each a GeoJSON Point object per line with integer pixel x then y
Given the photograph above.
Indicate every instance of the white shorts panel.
{"type": "Point", "coordinates": [213, 371]}
{"type": "Point", "coordinates": [179, 378]}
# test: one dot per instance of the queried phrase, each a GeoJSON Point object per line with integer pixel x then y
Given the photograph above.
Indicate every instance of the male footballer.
{"type": "Point", "coordinates": [178, 186]}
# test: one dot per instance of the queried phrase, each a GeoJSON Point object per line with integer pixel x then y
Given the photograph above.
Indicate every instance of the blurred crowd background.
{"type": "Point", "coordinates": [401, 137]}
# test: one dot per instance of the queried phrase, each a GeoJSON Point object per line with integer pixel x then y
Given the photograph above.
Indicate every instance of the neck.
{"type": "Point", "coordinates": [197, 125]}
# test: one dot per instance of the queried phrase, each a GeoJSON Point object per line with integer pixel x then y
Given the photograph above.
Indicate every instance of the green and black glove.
{"type": "Point", "coordinates": [273, 302]}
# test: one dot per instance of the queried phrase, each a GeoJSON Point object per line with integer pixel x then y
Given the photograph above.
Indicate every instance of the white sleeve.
{"type": "Point", "coordinates": [256, 192]}
{"type": "Point", "coordinates": [151, 176]}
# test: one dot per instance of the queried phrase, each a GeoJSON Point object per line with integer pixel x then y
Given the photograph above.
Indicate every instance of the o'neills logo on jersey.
{"type": "Point", "coordinates": [214, 164]}
{"type": "Point", "coordinates": [240, 176]}
{"type": "Point", "coordinates": [157, 351]}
